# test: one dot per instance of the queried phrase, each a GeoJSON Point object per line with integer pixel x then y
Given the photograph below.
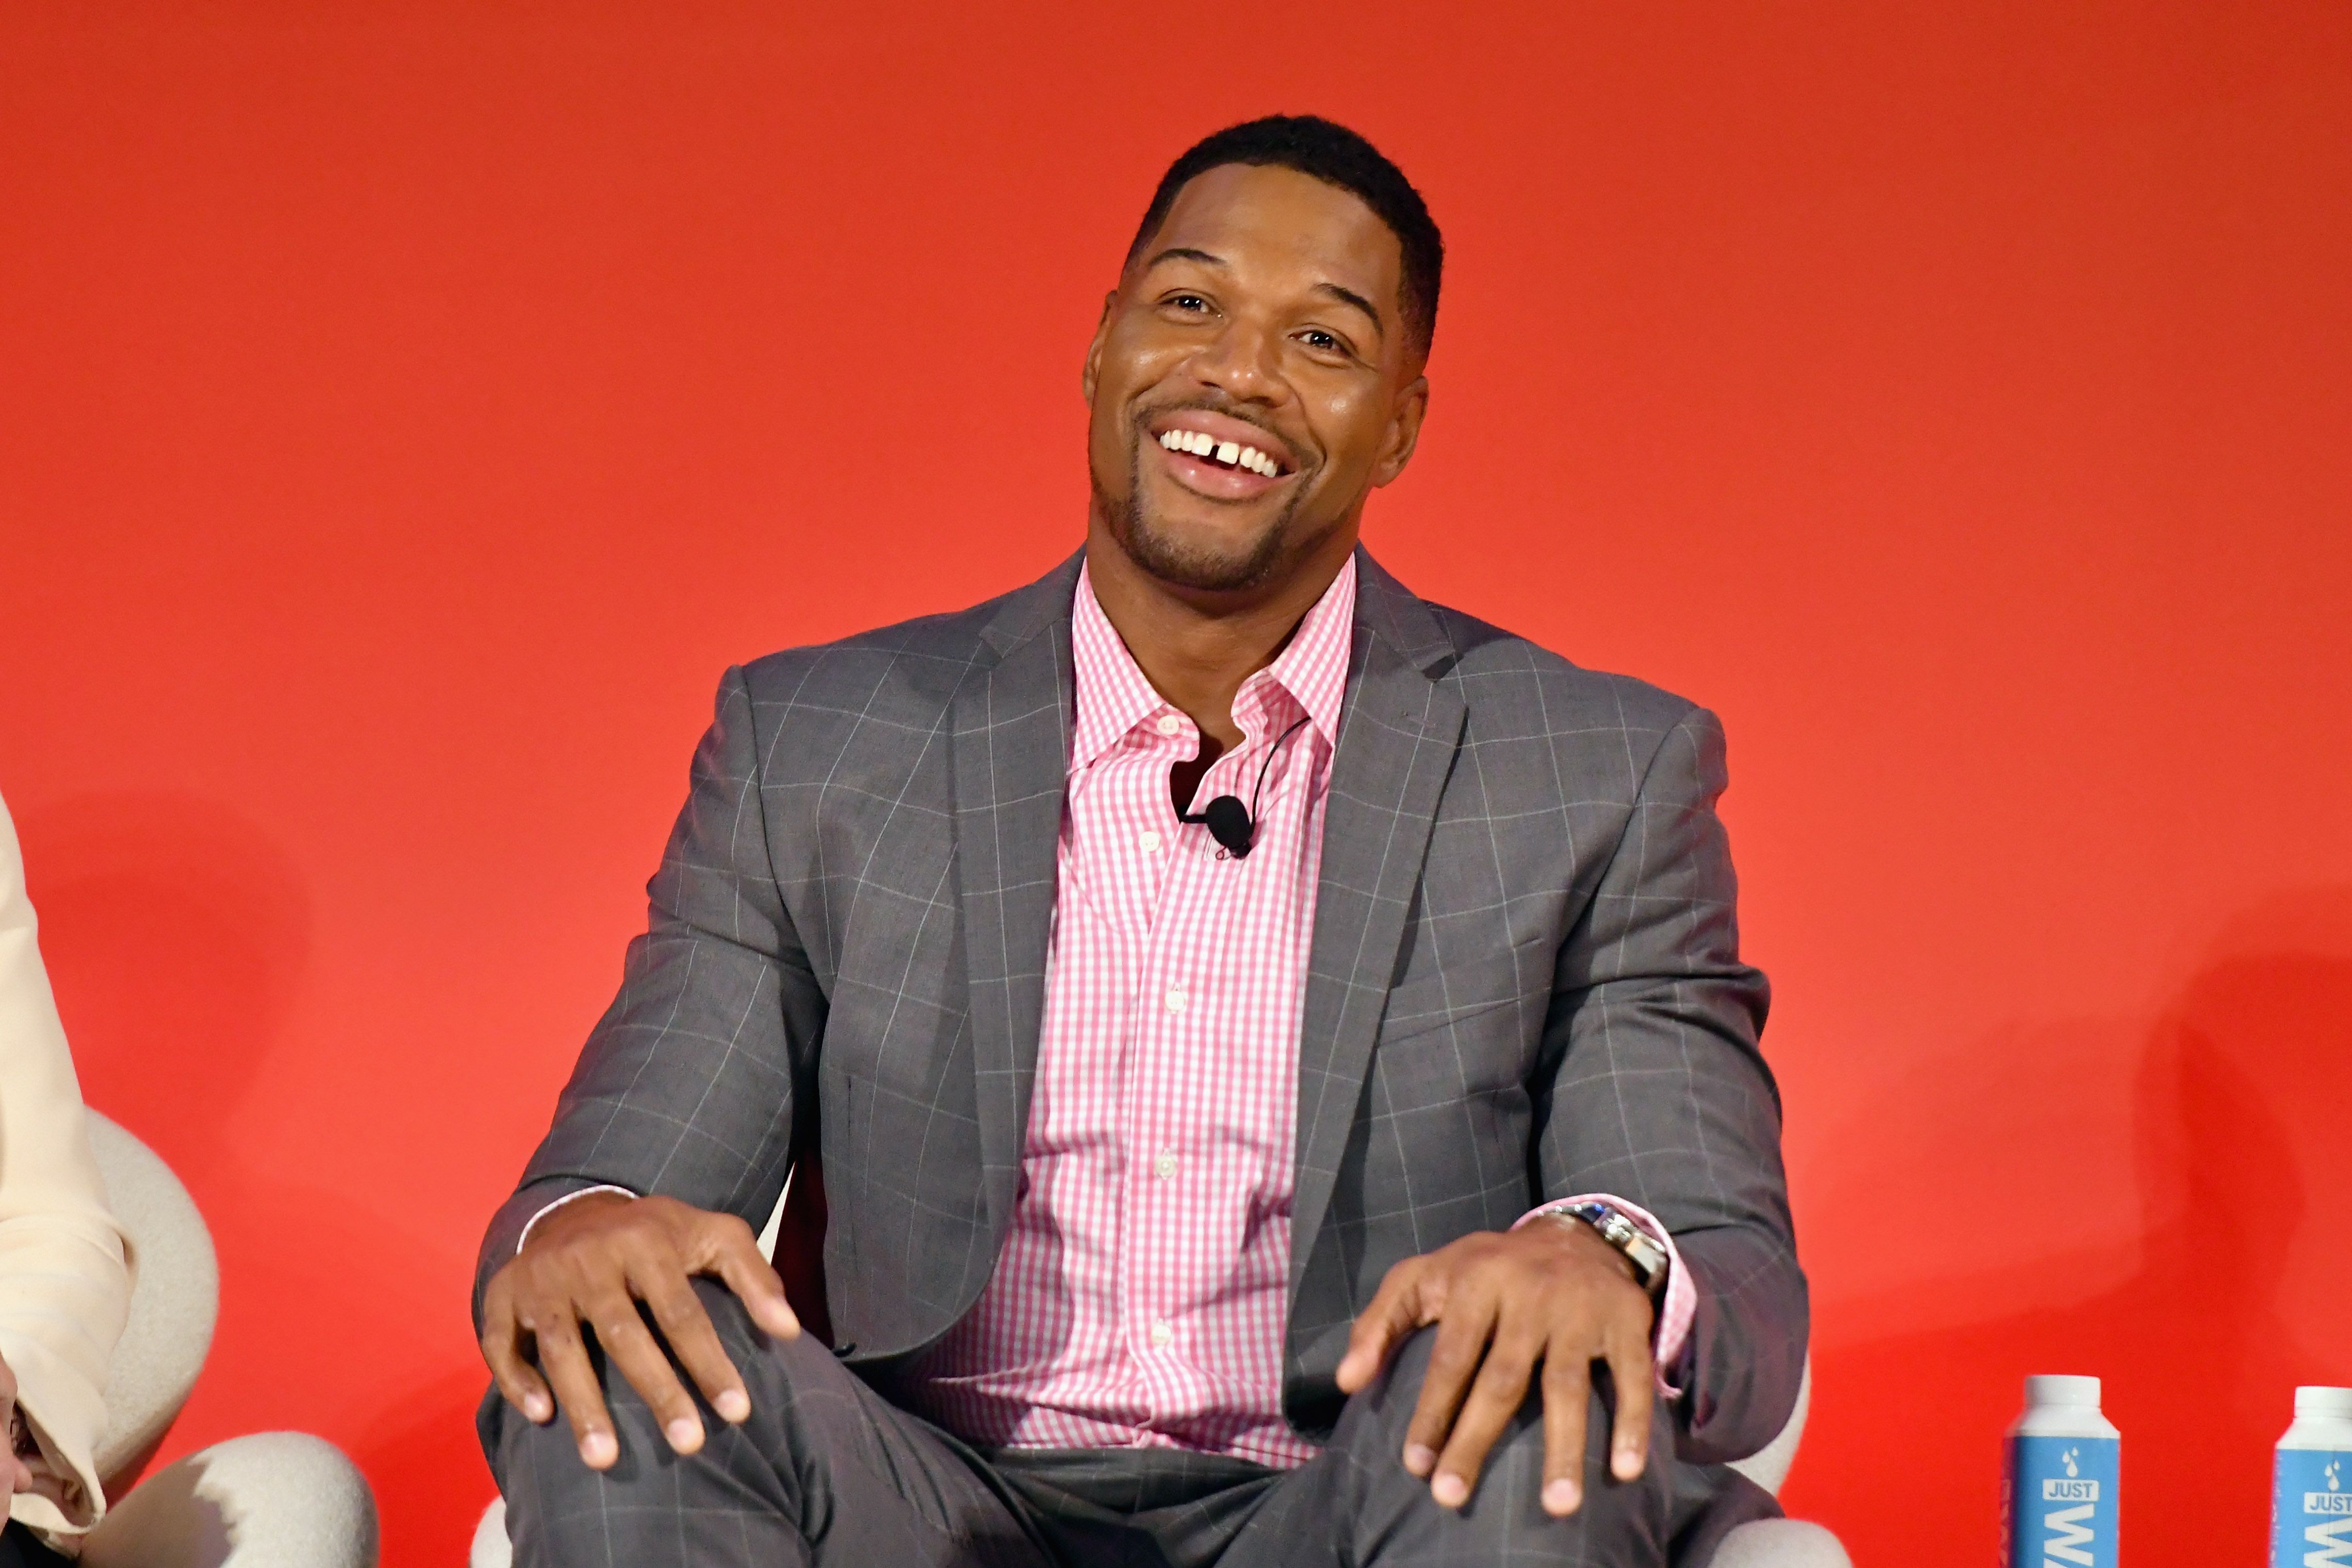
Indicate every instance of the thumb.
{"type": "Point", "coordinates": [734, 1256]}
{"type": "Point", "coordinates": [1395, 1311]}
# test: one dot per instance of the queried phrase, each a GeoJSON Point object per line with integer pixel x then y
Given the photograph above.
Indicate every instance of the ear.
{"type": "Point", "coordinates": [1092, 369]}
{"type": "Point", "coordinates": [1403, 433]}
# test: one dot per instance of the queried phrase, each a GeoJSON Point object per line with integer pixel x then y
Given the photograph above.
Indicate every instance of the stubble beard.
{"type": "Point", "coordinates": [1183, 563]}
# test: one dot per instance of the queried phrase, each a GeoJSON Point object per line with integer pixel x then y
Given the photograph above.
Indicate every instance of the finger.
{"type": "Point", "coordinates": [730, 1250]}
{"type": "Point", "coordinates": [517, 1380]}
{"type": "Point", "coordinates": [1567, 1396]}
{"type": "Point", "coordinates": [1500, 1389]}
{"type": "Point", "coordinates": [1631, 1370]}
{"type": "Point", "coordinates": [688, 1330]}
{"type": "Point", "coordinates": [563, 1361]}
{"type": "Point", "coordinates": [1395, 1311]}
{"type": "Point", "coordinates": [632, 1351]}
{"type": "Point", "coordinates": [1462, 1336]}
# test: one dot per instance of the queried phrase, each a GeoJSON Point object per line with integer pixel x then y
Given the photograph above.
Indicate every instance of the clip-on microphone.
{"type": "Point", "coordinates": [1230, 823]}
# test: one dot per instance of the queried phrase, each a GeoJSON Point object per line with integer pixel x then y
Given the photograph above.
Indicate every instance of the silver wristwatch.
{"type": "Point", "coordinates": [1618, 1229]}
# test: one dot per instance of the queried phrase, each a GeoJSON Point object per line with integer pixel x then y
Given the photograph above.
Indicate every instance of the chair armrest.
{"type": "Point", "coordinates": [275, 1499]}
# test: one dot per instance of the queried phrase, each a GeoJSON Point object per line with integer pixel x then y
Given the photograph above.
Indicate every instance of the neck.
{"type": "Point", "coordinates": [1196, 649]}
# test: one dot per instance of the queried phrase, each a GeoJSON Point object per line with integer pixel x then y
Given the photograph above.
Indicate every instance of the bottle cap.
{"type": "Point", "coordinates": [2047, 1390]}
{"type": "Point", "coordinates": [2334, 1402]}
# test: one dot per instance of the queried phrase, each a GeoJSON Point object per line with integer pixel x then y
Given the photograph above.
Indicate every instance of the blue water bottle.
{"type": "Point", "coordinates": [2058, 1492]}
{"type": "Point", "coordinates": [2311, 1489]}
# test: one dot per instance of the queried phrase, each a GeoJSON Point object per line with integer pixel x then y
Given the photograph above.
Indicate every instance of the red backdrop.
{"type": "Point", "coordinates": [406, 412]}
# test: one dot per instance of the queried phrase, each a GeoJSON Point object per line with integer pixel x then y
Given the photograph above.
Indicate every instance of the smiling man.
{"type": "Point", "coordinates": [1286, 1082]}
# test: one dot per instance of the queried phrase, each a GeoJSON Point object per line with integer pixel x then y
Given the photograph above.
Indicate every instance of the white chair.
{"type": "Point", "coordinates": [1781, 1543]}
{"type": "Point", "coordinates": [274, 1499]}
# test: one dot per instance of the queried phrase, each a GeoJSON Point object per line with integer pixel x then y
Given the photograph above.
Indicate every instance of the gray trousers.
{"type": "Point", "coordinates": [828, 1473]}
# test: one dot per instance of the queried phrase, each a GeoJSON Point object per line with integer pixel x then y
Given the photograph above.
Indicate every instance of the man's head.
{"type": "Point", "coordinates": [1258, 369]}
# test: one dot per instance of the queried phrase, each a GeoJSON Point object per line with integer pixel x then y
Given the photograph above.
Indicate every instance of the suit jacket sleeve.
{"type": "Point", "coordinates": [65, 1281]}
{"type": "Point", "coordinates": [1658, 1092]}
{"type": "Point", "coordinates": [688, 1084]}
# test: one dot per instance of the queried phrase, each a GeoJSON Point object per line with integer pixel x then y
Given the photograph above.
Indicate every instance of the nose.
{"type": "Point", "coordinates": [1241, 363]}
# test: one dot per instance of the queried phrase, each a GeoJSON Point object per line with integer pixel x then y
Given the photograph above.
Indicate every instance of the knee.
{"type": "Point", "coordinates": [1377, 1422]}
{"type": "Point", "coordinates": [512, 1439]}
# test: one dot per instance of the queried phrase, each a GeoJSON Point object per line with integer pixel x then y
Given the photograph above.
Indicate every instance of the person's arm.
{"type": "Point", "coordinates": [65, 1277]}
{"type": "Point", "coordinates": [1651, 1086]}
{"type": "Point", "coordinates": [684, 1095]}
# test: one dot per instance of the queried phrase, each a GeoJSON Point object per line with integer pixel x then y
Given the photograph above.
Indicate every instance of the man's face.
{"type": "Point", "coordinates": [1251, 381]}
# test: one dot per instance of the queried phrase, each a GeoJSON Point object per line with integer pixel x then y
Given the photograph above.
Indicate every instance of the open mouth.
{"type": "Point", "coordinates": [1200, 443]}
{"type": "Point", "coordinates": [1220, 458]}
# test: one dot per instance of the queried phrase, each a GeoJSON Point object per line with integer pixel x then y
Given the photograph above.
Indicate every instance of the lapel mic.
{"type": "Point", "coordinates": [1230, 823]}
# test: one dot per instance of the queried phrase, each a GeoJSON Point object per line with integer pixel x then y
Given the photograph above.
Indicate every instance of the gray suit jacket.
{"type": "Point", "coordinates": [1524, 982]}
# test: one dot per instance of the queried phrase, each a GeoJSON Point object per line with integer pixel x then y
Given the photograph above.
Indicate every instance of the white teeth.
{"type": "Point", "coordinates": [1232, 453]}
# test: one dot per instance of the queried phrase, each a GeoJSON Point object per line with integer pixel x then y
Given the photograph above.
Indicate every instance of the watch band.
{"type": "Point", "coordinates": [1618, 1229]}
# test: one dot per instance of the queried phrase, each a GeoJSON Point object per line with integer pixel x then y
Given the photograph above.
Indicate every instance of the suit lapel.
{"type": "Point", "coordinates": [1398, 736]}
{"type": "Point", "coordinates": [1009, 746]}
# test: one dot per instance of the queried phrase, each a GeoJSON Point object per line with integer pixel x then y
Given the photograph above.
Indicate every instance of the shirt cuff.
{"type": "Point", "coordinates": [1680, 1304]}
{"type": "Point", "coordinates": [524, 1240]}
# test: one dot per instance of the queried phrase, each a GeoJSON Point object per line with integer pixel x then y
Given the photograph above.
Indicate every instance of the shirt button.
{"type": "Point", "coordinates": [1170, 724]}
{"type": "Point", "coordinates": [1175, 1000]}
{"type": "Point", "coordinates": [1150, 840]}
{"type": "Point", "coordinates": [1161, 1334]}
{"type": "Point", "coordinates": [1165, 1166]}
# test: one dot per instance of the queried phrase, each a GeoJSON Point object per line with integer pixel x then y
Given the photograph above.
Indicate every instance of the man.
{"type": "Point", "coordinates": [1286, 1087]}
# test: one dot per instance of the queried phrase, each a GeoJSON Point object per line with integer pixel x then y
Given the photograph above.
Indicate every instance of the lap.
{"type": "Point", "coordinates": [828, 1471]}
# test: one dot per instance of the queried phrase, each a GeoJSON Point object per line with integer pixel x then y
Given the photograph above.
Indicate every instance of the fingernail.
{"type": "Point", "coordinates": [1628, 1464]}
{"type": "Point", "coordinates": [685, 1434]}
{"type": "Point", "coordinates": [733, 1405]}
{"type": "Point", "coordinates": [535, 1405]}
{"type": "Point", "coordinates": [598, 1449]}
{"type": "Point", "coordinates": [1559, 1497]}
{"type": "Point", "coordinates": [1450, 1490]}
{"type": "Point", "coordinates": [1419, 1459]}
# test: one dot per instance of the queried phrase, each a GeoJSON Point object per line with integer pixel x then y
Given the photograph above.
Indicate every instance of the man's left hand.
{"type": "Point", "coordinates": [1550, 1293]}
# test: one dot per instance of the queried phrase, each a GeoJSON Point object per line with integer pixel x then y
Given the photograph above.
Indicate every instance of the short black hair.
{"type": "Point", "coordinates": [1337, 156]}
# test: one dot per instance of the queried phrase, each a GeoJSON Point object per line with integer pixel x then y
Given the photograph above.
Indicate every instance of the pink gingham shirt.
{"type": "Point", "coordinates": [1140, 1297]}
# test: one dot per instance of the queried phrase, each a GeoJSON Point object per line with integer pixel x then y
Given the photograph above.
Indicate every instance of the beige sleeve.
{"type": "Point", "coordinates": [65, 1273]}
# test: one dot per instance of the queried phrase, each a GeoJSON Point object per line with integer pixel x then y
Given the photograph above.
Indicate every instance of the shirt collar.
{"type": "Point", "coordinates": [1113, 696]}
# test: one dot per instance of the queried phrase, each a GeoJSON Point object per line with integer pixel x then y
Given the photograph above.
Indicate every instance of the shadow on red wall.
{"type": "Point", "coordinates": [2195, 1342]}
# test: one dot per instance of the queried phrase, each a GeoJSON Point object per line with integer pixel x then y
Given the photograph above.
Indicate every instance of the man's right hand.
{"type": "Point", "coordinates": [592, 1262]}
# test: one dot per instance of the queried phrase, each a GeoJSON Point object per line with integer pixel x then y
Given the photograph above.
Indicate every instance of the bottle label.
{"type": "Point", "coordinates": [2059, 1502]}
{"type": "Point", "coordinates": [2311, 1509]}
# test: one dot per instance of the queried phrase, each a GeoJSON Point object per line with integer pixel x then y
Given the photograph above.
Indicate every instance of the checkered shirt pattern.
{"type": "Point", "coordinates": [1140, 1296]}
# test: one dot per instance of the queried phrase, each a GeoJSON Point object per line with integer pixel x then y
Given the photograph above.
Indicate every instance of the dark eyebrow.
{"type": "Point", "coordinates": [1349, 296]}
{"type": "Point", "coordinates": [1184, 253]}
